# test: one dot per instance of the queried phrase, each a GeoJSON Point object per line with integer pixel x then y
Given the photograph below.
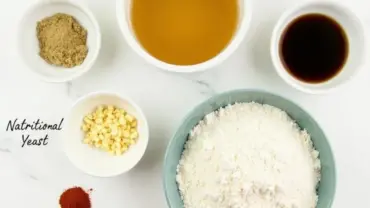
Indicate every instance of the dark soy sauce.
{"type": "Point", "coordinates": [314, 48]}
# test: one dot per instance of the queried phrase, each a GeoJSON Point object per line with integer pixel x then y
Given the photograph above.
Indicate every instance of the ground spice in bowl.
{"type": "Point", "coordinates": [62, 40]}
{"type": "Point", "coordinates": [75, 197]}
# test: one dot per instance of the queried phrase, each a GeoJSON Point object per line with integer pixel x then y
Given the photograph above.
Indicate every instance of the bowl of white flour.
{"type": "Point", "coordinates": [249, 149]}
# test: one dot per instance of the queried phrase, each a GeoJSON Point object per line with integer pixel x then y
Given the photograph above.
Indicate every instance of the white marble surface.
{"type": "Point", "coordinates": [36, 176]}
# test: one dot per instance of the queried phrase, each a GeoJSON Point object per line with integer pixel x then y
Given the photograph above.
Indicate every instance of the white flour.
{"type": "Point", "coordinates": [248, 156]}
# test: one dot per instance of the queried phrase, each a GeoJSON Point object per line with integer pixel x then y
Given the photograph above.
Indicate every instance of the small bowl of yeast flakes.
{"type": "Point", "coordinates": [106, 134]}
{"type": "Point", "coordinates": [58, 40]}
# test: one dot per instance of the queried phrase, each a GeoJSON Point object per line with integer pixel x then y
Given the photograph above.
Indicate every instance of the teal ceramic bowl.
{"type": "Point", "coordinates": [326, 189]}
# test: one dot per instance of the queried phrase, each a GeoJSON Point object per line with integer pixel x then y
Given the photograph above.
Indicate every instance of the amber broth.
{"type": "Point", "coordinates": [184, 32]}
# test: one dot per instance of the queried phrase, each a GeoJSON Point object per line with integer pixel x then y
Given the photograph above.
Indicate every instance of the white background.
{"type": "Point", "coordinates": [36, 176]}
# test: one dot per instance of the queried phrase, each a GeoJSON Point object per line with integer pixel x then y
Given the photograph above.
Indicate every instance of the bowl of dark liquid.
{"type": "Point", "coordinates": [317, 47]}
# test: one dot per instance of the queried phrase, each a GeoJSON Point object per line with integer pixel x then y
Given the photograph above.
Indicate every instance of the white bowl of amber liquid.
{"type": "Point", "coordinates": [195, 35]}
{"type": "Point", "coordinates": [97, 161]}
{"type": "Point", "coordinates": [28, 43]}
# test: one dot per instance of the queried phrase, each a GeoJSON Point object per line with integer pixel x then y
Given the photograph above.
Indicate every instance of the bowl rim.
{"type": "Point", "coordinates": [234, 43]}
{"type": "Point", "coordinates": [121, 97]}
{"type": "Point", "coordinates": [214, 97]}
{"type": "Point", "coordinates": [78, 73]}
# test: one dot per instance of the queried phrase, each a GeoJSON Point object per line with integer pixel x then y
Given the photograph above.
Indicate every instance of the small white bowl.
{"type": "Point", "coordinates": [123, 12]}
{"type": "Point", "coordinates": [91, 160]}
{"type": "Point", "coordinates": [29, 48]}
{"type": "Point", "coordinates": [355, 34]}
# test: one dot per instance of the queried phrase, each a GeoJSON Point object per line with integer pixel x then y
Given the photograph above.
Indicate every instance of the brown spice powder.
{"type": "Point", "coordinates": [62, 40]}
